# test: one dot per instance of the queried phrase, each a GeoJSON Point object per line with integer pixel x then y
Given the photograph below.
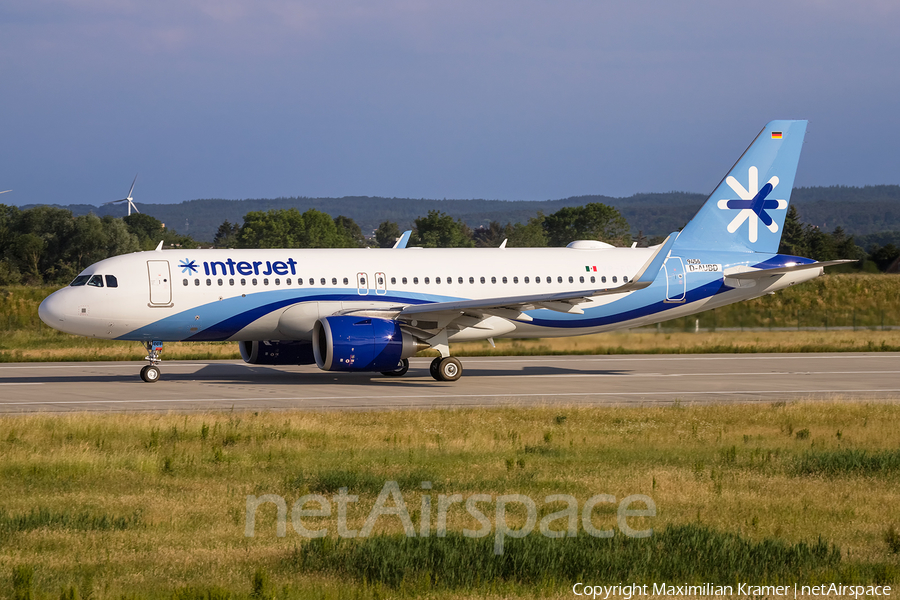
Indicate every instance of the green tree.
{"type": "Point", "coordinates": [492, 235]}
{"type": "Point", "coordinates": [594, 221]}
{"type": "Point", "coordinates": [885, 256]}
{"type": "Point", "coordinates": [440, 230]}
{"type": "Point", "coordinates": [287, 228]}
{"type": "Point", "coordinates": [794, 240]}
{"type": "Point", "coordinates": [387, 234]}
{"type": "Point", "coordinates": [147, 229]}
{"type": "Point", "coordinates": [226, 236]}
{"type": "Point", "coordinates": [350, 231]}
{"type": "Point", "coordinates": [529, 235]}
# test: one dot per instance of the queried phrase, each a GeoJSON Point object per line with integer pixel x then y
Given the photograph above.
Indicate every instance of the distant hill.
{"type": "Point", "coordinates": [859, 210]}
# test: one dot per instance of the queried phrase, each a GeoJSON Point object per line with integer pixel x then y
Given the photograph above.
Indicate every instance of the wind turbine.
{"type": "Point", "coordinates": [127, 199]}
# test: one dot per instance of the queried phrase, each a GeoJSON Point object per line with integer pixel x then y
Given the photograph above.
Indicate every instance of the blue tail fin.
{"type": "Point", "coordinates": [746, 211]}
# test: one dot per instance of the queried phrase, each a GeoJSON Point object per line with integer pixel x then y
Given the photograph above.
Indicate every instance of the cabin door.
{"type": "Point", "coordinates": [160, 282]}
{"type": "Point", "coordinates": [675, 282]}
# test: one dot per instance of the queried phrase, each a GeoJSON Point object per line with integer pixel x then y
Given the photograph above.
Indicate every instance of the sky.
{"type": "Point", "coordinates": [512, 100]}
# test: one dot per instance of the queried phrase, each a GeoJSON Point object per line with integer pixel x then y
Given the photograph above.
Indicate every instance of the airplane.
{"type": "Point", "coordinates": [369, 310]}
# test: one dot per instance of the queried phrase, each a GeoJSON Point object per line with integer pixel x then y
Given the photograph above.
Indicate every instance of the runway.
{"type": "Point", "coordinates": [487, 381]}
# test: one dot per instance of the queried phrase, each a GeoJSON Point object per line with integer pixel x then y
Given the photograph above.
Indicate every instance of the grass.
{"type": "Point", "coordinates": [153, 505]}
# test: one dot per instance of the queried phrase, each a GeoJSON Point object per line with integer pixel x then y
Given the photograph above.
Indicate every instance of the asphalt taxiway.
{"type": "Point", "coordinates": [594, 380]}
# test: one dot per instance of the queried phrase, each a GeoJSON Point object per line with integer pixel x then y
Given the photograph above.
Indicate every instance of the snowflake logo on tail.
{"type": "Point", "coordinates": [188, 267]}
{"type": "Point", "coordinates": [753, 203]}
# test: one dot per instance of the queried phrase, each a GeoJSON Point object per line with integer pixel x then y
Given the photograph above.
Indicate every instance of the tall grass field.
{"type": "Point", "coordinates": [155, 506]}
{"type": "Point", "coordinates": [834, 313]}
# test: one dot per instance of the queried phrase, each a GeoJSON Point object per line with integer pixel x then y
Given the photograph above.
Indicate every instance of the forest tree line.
{"type": "Point", "coordinates": [49, 245]}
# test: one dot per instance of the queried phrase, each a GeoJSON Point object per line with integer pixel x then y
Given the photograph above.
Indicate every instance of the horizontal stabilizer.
{"type": "Point", "coordinates": [760, 273]}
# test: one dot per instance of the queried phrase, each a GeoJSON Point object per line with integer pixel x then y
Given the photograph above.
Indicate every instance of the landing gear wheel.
{"type": "Point", "coordinates": [434, 367]}
{"type": "Point", "coordinates": [150, 374]}
{"type": "Point", "coordinates": [400, 371]}
{"type": "Point", "coordinates": [449, 369]}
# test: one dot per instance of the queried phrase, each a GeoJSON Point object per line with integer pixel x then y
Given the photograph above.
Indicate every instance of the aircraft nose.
{"type": "Point", "coordinates": [51, 310]}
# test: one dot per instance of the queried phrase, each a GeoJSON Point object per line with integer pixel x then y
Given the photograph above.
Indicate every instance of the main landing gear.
{"type": "Point", "coordinates": [400, 371]}
{"type": "Point", "coordinates": [446, 368]}
{"type": "Point", "coordinates": [150, 373]}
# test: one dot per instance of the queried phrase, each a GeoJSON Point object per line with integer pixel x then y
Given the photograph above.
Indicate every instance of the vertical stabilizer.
{"type": "Point", "coordinates": [747, 209]}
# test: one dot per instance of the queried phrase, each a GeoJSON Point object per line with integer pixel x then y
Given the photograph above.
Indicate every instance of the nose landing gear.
{"type": "Point", "coordinates": [150, 373]}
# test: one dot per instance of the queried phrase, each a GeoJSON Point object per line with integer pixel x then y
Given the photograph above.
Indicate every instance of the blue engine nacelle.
{"type": "Point", "coordinates": [277, 353]}
{"type": "Point", "coordinates": [346, 343]}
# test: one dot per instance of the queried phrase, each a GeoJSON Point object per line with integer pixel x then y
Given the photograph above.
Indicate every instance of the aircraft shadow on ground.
{"type": "Point", "coordinates": [230, 374]}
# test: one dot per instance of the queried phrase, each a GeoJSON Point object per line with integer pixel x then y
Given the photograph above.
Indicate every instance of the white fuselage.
{"type": "Point", "coordinates": [199, 295]}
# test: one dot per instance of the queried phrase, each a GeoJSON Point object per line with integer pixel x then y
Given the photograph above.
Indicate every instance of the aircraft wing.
{"type": "Point", "coordinates": [760, 273]}
{"type": "Point", "coordinates": [513, 307]}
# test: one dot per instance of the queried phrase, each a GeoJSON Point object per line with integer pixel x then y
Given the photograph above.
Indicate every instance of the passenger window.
{"type": "Point", "coordinates": [482, 280]}
{"type": "Point", "coordinates": [625, 279]}
{"type": "Point", "coordinates": [559, 280]}
{"type": "Point", "coordinates": [334, 281]}
{"type": "Point", "coordinates": [231, 282]}
{"type": "Point", "coordinates": [416, 280]}
{"type": "Point", "coordinates": [97, 281]}
{"type": "Point", "coordinates": [581, 279]}
{"type": "Point", "coordinates": [299, 281]}
{"type": "Point", "coordinates": [504, 280]}
{"type": "Point", "coordinates": [571, 279]}
{"type": "Point", "coordinates": [459, 280]}
{"type": "Point", "coordinates": [185, 282]}
{"type": "Point", "coordinates": [220, 282]}
{"type": "Point", "coordinates": [277, 281]}
{"type": "Point", "coordinates": [593, 279]}
{"type": "Point", "coordinates": [393, 281]}
{"type": "Point", "coordinates": [243, 282]}
{"type": "Point", "coordinates": [526, 280]}
{"type": "Point", "coordinates": [80, 280]}
{"type": "Point", "coordinates": [426, 280]}
{"type": "Point", "coordinates": [347, 281]}
{"type": "Point", "coordinates": [515, 280]}
{"type": "Point", "coordinates": [614, 279]}
{"type": "Point", "coordinates": [322, 281]}
{"type": "Point", "coordinates": [288, 281]}
{"type": "Point", "coordinates": [254, 281]}
{"type": "Point", "coordinates": [493, 280]}
{"type": "Point", "coordinates": [111, 281]}
{"type": "Point", "coordinates": [266, 281]}
{"type": "Point", "coordinates": [449, 280]}
{"type": "Point", "coordinates": [312, 281]}
{"type": "Point", "coordinates": [209, 282]}
{"type": "Point", "coordinates": [471, 280]}
{"type": "Point", "coordinates": [437, 280]}
{"type": "Point", "coordinates": [603, 279]}
{"type": "Point", "coordinates": [537, 279]}
{"type": "Point", "coordinates": [403, 280]}
{"type": "Point", "coordinates": [380, 281]}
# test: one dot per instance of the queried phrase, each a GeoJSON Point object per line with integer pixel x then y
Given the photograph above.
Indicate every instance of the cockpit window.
{"type": "Point", "coordinates": [111, 281]}
{"type": "Point", "coordinates": [96, 281]}
{"type": "Point", "coordinates": [80, 280]}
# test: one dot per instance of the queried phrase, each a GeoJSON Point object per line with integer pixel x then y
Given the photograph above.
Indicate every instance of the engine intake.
{"type": "Point", "coordinates": [347, 343]}
{"type": "Point", "coordinates": [277, 353]}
